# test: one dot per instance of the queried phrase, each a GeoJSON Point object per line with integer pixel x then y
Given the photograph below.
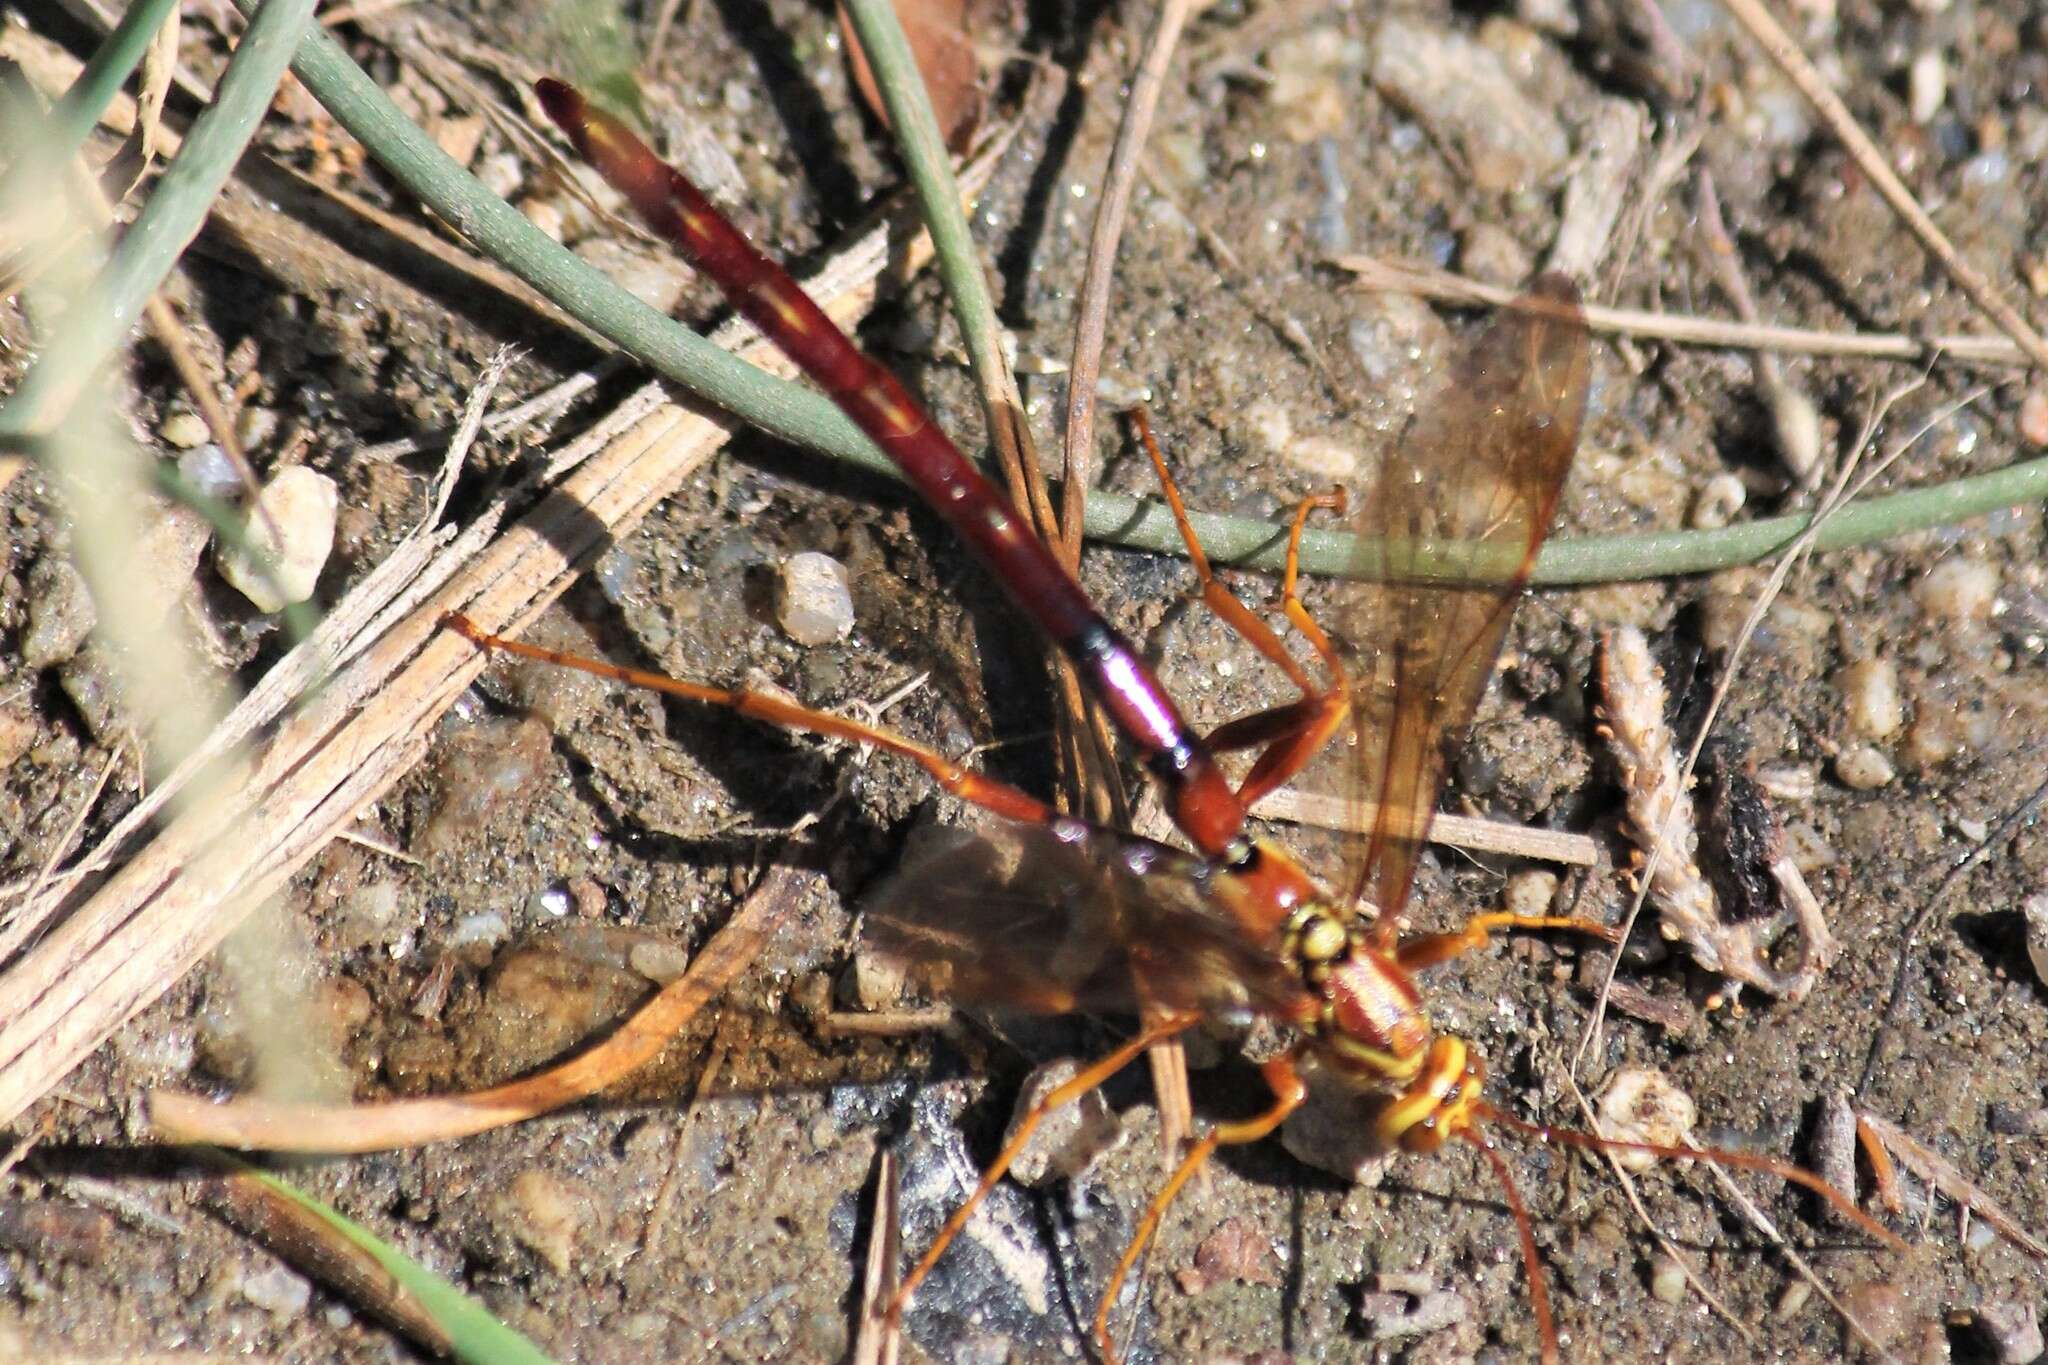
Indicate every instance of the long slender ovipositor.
{"type": "Point", "coordinates": [1201, 799]}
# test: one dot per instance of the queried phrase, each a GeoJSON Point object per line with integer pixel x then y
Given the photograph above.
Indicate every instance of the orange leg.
{"type": "Point", "coordinates": [1292, 734]}
{"type": "Point", "coordinates": [968, 785]}
{"type": "Point", "coordinates": [1289, 1090]}
{"type": "Point", "coordinates": [1427, 950]}
{"type": "Point", "coordinates": [1156, 1031]}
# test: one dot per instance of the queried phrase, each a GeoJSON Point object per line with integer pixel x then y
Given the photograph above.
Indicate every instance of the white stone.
{"type": "Point", "coordinates": [301, 504]}
{"type": "Point", "coordinates": [1870, 695]}
{"type": "Point", "coordinates": [1961, 589]}
{"type": "Point", "coordinates": [183, 430]}
{"type": "Point", "coordinates": [815, 606]}
{"type": "Point", "coordinates": [1863, 767]}
{"type": "Point", "coordinates": [278, 1291]}
{"type": "Point", "coordinates": [1926, 85]}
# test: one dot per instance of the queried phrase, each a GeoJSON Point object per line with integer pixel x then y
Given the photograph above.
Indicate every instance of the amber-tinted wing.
{"type": "Point", "coordinates": [1067, 916]}
{"type": "Point", "coordinates": [1448, 536]}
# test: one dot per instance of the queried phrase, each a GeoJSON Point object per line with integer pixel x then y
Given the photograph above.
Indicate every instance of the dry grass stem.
{"type": "Point", "coordinates": [1456, 831]}
{"type": "Point", "coordinates": [879, 1340]}
{"type": "Point", "coordinates": [1442, 285]}
{"type": "Point", "coordinates": [1091, 316]}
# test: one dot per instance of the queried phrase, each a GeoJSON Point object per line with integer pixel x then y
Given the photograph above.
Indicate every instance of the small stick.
{"type": "Point", "coordinates": [884, 1023]}
{"type": "Point", "coordinates": [1429, 283]}
{"type": "Point", "coordinates": [1092, 317]}
{"type": "Point", "coordinates": [1456, 831]}
{"type": "Point", "coordinates": [880, 1338]}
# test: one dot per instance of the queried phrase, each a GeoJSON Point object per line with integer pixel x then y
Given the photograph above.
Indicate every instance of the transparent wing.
{"type": "Point", "coordinates": [1448, 536]}
{"type": "Point", "coordinates": [1067, 916]}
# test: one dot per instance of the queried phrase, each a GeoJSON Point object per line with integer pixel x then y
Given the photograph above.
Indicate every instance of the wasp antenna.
{"type": "Point", "coordinates": [1539, 1292]}
{"type": "Point", "coordinates": [1719, 1156]}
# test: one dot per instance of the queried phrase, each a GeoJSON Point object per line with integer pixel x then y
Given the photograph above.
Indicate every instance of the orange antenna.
{"type": "Point", "coordinates": [1720, 1156]}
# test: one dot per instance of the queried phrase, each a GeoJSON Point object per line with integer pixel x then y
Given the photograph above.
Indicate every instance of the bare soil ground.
{"type": "Point", "coordinates": [563, 830]}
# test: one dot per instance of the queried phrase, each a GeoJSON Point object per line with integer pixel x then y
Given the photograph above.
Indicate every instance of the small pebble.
{"type": "Point", "coordinates": [1333, 1132]}
{"type": "Point", "coordinates": [1307, 92]}
{"type": "Point", "coordinates": [1926, 85]}
{"type": "Point", "coordinates": [486, 927]}
{"type": "Point", "coordinates": [1870, 695]}
{"type": "Point", "coordinates": [1880, 1307]}
{"type": "Point", "coordinates": [255, 427]}
{"type": "Point", "coordinates": [1328, 459]}
{"type": "Point", "coordinates": [61, 613]}
{"type": "Point", "coordinates": [545, 1214]}
{"type": "Point", "coordinates": [1236, 1252]}
{"type": "Point", "coordinates": [1491, 253]}
{"type": "Point", "coordinates": [1667, 1281]}
{"type": "Point", "coordinates": [2034, 417]}
{"type": "Point", "coordinates": [543, 214]}
{"type": "Point", "coordinates": [1958, 589]}
{"type": "Point", "coordinates": [88, 679]}
{"type": "Point", "coordinates": [1796, 421]}
{"type": "Point", "coordinates": [1642, 1105]}
{"type": "Point", "coordinates": [1718, 502]}
{"type": "Point", "coordinates": [1270, 425]}
{"type": "Point", "coordinates": [660, 961]}
{"type": "Point", "coordinates": [1792, 1300]}
{"type": "Point", "coordinates": [167, 552]}
{"type": "Point", "coordinates": [554, 900]}
{"type": "Point", "coordinates": [815, 606]}
{"type": "Point", "coordinates": [1530, 892]}
{"type": "Point", "coordinates": [278, 1291]}
{"type": "Point", "coordinates": [1466, 95]}
{"type": "Point", "coordinates": [209, 470]}
{"type": "Point", "coordinates": [502, 173]}
{"type": "Point", "coordinates": [876, 979]}
{"type": "Point", "coordinates": [303, 504]}
{"type": "Point", "coordinates": [1863, 767]}
{"type": "Point", "coordinates": [1560, 17]}
{"type": "Point", "coordinates": [183, 430]}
